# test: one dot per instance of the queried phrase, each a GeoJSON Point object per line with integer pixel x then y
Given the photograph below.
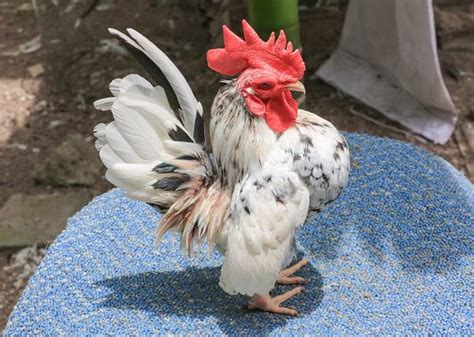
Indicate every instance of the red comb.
{"type": "Point", "coordinates": [252, 52]}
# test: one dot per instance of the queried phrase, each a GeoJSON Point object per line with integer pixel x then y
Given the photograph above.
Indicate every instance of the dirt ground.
{"type": "Point", "coordinates": [46, 93]}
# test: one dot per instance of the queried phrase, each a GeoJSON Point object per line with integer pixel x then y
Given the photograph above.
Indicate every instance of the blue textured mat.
{"type": "Point", "coordinates": [392, 256]}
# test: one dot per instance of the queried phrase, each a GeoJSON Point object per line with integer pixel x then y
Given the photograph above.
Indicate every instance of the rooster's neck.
{"type": "Point", "coordinates": [240, 141]}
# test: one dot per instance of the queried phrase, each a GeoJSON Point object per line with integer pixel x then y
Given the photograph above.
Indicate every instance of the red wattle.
{"type": "Point", "coordinates": [255, 105]}
{"type": "Point", "coordinates": [281, 111]}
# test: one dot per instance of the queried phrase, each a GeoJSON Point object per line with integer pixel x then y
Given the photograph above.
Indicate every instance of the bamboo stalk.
{"type": "Point", "coordinates": [268, 16]}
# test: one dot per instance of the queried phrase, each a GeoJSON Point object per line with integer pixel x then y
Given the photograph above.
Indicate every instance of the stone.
{"type": "Point", "coordinates": [29, 219]}
{"type": "Point", "coordinates": [74, 163]}
{"type": "Point", "coordinates": [23, 264]}
{"type": "Point", "coordinates": [36, 70]}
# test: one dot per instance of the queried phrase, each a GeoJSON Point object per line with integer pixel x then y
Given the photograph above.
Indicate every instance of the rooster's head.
{"type": "Point", "coordinates": [267, 71]}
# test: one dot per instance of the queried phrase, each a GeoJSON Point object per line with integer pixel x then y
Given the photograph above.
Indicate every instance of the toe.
{"type": "Point", "coordinates": [286, 296]}
{"type": "Point", "coordinates": [284, 311]}
{"type": "Point", "coordinates": [272, 304]}
{"type": "Point", "coordinates": [291, 280]}
{"type": "Point", "coordinates": [294, 268]}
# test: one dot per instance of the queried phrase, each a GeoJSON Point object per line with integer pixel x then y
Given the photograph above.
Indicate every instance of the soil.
{"type": "Point", "coordinates": [37, 111]}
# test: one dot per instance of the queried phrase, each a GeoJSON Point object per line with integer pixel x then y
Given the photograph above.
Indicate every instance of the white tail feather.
{"type": "Point", "coordinates": [142, 147]}
{"type": "Point", "coordinates": [120, 146]}
{"type": "Point", "coordinates": [104, 104]}
{"type": "Point", "coordinates": [137, 132]}
{"type": "Point", "coordinates": [139, 139]}
{"type": "Point", "coordinates": [99, 133]}
{"type": "Point", "coordinates": [109, 157]}
{"type": "Point", "coordinates": [186, 99]}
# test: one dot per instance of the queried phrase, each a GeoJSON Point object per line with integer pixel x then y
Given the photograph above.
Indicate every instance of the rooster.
{"type": "Point", "coordinates": [272, 165]}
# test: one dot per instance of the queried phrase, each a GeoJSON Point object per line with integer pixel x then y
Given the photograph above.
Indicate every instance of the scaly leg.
{"type": "Point", "coordinates": [286, 276]}
{"type": "Point", "coordinates": [272, 304]}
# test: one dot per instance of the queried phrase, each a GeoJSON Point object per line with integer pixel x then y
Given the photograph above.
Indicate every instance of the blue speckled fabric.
{"type": "Point", "coordinates": [392, 256]}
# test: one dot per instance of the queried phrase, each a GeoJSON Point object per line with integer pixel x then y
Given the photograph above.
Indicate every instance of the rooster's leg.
{"type": "Point", "coordinates": [286, 276]}
{"type": "Point", "coordinates": [272, 304]}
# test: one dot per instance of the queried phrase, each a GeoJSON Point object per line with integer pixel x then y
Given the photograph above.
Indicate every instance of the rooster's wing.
{"type": "Point", "coordinates": [266, 209]}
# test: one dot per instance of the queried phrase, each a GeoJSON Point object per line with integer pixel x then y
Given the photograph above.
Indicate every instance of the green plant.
{"type": "Point", "coordinates": [266, 16]}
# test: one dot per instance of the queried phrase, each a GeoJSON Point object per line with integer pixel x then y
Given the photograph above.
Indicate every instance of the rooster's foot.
{"type": "Point", "coordinates": [286, 276]}
{"type": "Point", "coordinates": [272, 304]}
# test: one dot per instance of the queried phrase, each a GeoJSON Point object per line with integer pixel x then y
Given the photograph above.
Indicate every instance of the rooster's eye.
{"type": "Point", "coordinates": [265, 86]}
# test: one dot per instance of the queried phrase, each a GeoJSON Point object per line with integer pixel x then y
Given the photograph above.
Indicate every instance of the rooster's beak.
{"type": "Point", "coordinates": [297, 86]}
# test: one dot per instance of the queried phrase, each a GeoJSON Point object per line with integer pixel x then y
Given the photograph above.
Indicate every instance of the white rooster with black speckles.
{"type": "Point", "coordinates": [273, 165]}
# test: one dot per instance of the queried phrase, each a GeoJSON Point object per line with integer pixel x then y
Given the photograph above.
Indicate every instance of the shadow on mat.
{"type": "Point", "coordinates": [195, 292]}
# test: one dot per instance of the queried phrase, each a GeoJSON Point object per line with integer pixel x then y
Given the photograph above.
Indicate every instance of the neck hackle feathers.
{"type": "Point", "coordinates": [252, 52]}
